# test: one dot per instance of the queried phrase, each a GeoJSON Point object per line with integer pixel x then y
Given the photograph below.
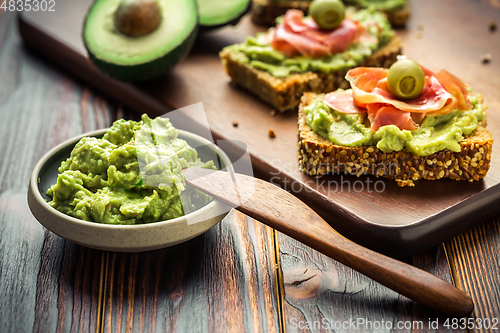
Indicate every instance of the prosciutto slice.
{"type": "Point", "coordinates": [382, 115]}
{"type": "Point", "coordinates": [296, 35]}
{"type": "Point", "coordinates": [343, 102]}
{"type": "Point", "coordinates": [368, 88]}
{"type": "Point", "coordinates": [442, 93]}
{"type": "Point", "coordinates": [456, 87]}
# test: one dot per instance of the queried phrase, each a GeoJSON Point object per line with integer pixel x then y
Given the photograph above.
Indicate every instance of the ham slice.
{"type": "Point", "coordinates": [382, 115]}
{"type": "Point", "coordinates": [296, 35]}
{"type": "Point", "coordinates": [292, 44]}
{"type": "Point", "coordinates": [340, 39]}
{"type": "Point", "coordinates": [343, 102]}
{"type": "Point", "coordinates": [369, 88]}
{"type": "Point", "coordinates": [367, 78]}
{"type": "Point", "coordinates": [442, 93]}
{"type": "Point", "coordinates": [456, 87]}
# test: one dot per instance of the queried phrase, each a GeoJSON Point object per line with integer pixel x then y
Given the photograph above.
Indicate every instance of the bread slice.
{"type": "Point", "coordinates": [265, 12]}
{"type": "Point", "coordinates": [318, 156]}
{"type": "Point", "coordinates": [285, 93]}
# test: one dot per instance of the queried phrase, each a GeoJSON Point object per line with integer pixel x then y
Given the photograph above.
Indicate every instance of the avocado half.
{"type": "Point", "coordinates": [134, 59]}
{"type": "Point", "coordinates": [218, 13]}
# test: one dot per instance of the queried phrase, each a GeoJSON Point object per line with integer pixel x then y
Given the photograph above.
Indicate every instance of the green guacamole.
{"type": "Point", "coordinates": [383, 5]}
{"type": "Point", "coordinates": [130, 176]}
{"type": "Point", "coordinates": [434, 134]}
{"type": "Point", "coordinates": [258, 53]}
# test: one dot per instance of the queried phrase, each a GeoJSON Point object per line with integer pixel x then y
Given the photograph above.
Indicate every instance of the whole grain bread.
{"type": "Point", "coordinates": [265, 12]}
{"type": "Point", "coordinates": [318, 156]}
{"type": "Point", "coordinates": [285, 93]}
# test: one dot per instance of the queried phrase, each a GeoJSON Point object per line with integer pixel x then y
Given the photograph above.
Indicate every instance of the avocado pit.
{"type": "Point", "coordinates": [135, 18]}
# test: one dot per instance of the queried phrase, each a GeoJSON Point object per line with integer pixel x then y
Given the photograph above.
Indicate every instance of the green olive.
{"type": "Point", "coordinates": [405, 79]}
{"type": "Point", "coordinates": [135, 18]}
{"type": "Point", "coordinates": [328, 14]}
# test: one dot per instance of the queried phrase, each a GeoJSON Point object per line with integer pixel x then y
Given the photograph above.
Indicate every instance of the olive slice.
{"type": "Point", "coordinates": [328, 14]}
{"type": "Point", "coordinates": [405, 79]}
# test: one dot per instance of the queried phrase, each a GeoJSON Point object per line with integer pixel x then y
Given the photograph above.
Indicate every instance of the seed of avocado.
{"type": "Point", "coordinates": [136, 18]}
{"type": "Point", "coordinates": [142, 57]}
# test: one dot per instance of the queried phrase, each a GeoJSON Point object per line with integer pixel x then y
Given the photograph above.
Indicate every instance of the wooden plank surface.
{"type": "Point", "coordinates": [424, 216]}
{"type": "Point", "coordinates": [322, 295]}
{"type": "Point", "coordinates": [222, 281]}
{"type": "Point", "coordinates": [475, 260]}
{"type": "Point", "coordinates": [47, 284]}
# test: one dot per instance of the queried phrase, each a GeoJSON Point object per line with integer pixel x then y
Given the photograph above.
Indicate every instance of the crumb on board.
{"type": "Point", "coordinates": [420, 27]}
{"type": "Point", "coordinates": [272, 133]}
{"type": "Point", "coordinates": [420, 35]}
{"type": "Point", "coordinates": [486, 58]}
{"type": "Point", "coordinates": [235, 123]}
{"type": "Point", "coordinates": [273, 113]}
{"type": "Point", "coordinates": [493, 26]}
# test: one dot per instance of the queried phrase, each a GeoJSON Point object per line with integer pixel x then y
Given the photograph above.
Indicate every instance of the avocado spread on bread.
{"type": "Point", "coordinates": [434, 134]}
{"type": "Point", "coordinates": [258, 52]}
{"type": "Point", "coordinates": [384, 5]}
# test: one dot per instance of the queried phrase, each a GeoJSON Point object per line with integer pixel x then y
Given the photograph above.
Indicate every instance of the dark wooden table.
{"type": "Point", "coordinates": [238, 276]}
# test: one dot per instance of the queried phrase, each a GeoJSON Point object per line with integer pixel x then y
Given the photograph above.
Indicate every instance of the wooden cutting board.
{"type": "Point", "coordinates": [451, 34]}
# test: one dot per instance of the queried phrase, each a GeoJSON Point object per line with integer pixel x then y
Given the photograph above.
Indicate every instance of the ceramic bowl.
{"type": "Point", "coordinates": [122, 238]}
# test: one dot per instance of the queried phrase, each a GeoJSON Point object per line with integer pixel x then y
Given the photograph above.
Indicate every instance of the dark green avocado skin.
{"type": "Point", "coordinates": [234, 21]}
{"type": "Point", "coordinates": [148, 70]}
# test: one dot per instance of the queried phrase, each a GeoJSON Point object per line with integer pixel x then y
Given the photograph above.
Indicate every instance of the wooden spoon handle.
{"type": "Point", "coordinates": [282, 211]}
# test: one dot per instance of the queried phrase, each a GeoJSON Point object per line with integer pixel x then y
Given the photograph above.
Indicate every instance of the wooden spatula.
{"type": "Point", "coordinates": [282, 211]}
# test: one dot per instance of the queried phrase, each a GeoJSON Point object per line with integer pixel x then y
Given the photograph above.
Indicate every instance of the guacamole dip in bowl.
{"type": "Point", "coordinates": [122, 189]}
